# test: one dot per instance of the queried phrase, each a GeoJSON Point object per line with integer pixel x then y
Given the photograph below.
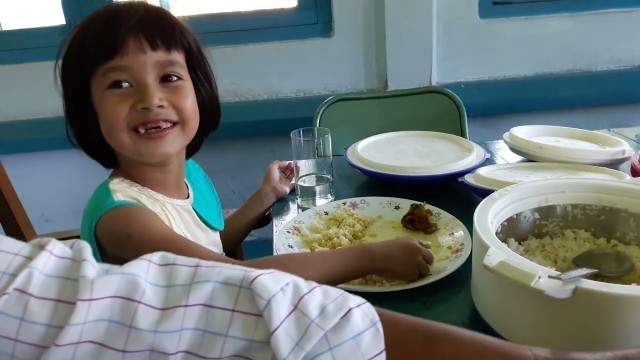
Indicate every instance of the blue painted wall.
{"type": "Point", "coordinates": [280, 116]}
{"type": "Point", "coordinates": [489, 9]}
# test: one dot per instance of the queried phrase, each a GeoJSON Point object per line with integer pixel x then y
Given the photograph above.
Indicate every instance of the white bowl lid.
{"type": "Point", "coordinates": [568, 141]}
{"type": "Point", "coordinates": [562, 156]}
{"type": "Point", "coordinates": [414, 152]}
{"type": "Point", "coordinates": [501, 175]}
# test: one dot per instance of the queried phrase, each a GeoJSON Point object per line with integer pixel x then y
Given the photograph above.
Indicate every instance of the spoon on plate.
{"type": "Point", "coordinates": [604, 261]}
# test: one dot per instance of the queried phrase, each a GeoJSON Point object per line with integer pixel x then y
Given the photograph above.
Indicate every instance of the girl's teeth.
{"type": "Point", "coordinates": [153, 128]}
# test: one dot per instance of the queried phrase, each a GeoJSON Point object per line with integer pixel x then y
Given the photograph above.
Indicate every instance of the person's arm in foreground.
{"type": "Point", "coordinates": [406, 336]}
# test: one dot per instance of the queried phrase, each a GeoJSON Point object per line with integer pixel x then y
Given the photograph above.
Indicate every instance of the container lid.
{"type": "Point", "coordinates": [501, 175]}
{"type": "Point", "coordinates": [416, 152]}
{"type": "Point", "coordinates": [568, 141]}
{"type": "Point", "coordinates": [352, 159]}
{"type": "Point", "coordinates": [562, 156]}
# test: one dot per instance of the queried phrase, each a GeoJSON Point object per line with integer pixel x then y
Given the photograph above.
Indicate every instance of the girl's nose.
{"type": "Point", "coordinates": [150, 98]}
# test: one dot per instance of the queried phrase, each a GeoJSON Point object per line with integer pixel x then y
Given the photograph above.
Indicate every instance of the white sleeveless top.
{"type": "Point", "coordinates": [178, 214]}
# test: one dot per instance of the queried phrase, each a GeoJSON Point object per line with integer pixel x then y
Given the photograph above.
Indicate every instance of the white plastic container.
{"type": "Point", "coordinates": [569, 141]}
{"type": "Point", "coordinates": [515, 295]}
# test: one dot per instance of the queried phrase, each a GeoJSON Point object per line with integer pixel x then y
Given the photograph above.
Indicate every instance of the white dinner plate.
{"type": "Point", "coordinates": [567, 141]}
{"type": "Point", "coordinates": [415, 152]}
{"type": "Point", "coordinates": [451, 243]}
{"type": "Point", "coordinates": [480, 155]}
{"type": "Point", "coordinates": [559, 156]}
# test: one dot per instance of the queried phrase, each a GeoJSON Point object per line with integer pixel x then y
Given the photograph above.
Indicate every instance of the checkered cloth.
{"type": "Point", "coordinates": [57, 302]}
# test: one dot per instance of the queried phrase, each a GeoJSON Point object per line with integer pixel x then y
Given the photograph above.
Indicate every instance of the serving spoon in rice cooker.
{"type": "Point", "coordinates": [604, 261]}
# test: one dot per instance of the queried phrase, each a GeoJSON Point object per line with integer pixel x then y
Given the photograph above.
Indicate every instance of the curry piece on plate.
{"type": "Point", "coordinates": [418, 218]}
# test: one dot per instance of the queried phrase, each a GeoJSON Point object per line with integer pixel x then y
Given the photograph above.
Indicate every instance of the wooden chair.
{"type": "Point", "coordinates": [14, 219]}
{"type": "Point", "coordinates": [353, 117]}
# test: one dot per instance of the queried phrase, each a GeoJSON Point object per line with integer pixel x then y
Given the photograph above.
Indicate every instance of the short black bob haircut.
{"type": "Point", "coordinates": [101, 37]}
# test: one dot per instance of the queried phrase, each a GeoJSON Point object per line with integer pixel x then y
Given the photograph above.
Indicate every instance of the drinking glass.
{"type": "Point", "coordinates": [313, 162]}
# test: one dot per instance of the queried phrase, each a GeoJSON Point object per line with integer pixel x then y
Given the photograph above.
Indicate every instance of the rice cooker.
{"type": "Point", "coordinates": [517, 297]}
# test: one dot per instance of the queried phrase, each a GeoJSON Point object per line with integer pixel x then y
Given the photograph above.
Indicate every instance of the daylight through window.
{"type": "Point", "coordinates": [20, 15]}
{"type": "Point", "coordinates": [199, 7]}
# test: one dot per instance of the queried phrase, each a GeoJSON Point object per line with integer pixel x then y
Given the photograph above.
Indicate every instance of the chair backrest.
{"type": "Point", "coordinates": [353, 117]}
{"type": "Point", "coordinates": [13, 217]}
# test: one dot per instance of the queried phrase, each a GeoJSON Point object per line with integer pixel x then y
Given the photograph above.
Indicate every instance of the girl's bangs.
{"type": "Point", "coordinates": [161, 31]}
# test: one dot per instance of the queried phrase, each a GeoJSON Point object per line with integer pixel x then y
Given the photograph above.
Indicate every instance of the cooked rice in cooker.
{"type": "Point", "coordinates": [341, 228]}
{"type": "Point", "coordinates": [559, 246]}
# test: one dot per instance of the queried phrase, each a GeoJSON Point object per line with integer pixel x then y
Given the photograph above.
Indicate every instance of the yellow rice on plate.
{"type": "Point", "coordinates": [341, 228]}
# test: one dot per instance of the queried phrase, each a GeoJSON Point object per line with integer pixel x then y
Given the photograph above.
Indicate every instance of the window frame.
{"type": "Point", "coordinates": [310, 19]}
{"type": "Point", "coordinates": [492, 9]}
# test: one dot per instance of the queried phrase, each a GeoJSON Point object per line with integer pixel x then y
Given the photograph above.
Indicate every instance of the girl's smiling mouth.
{"type": "Point", "coordinates": [155, 127]}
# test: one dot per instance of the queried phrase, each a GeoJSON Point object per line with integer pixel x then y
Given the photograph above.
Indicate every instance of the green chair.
{"type": "Point", "coordinates": [353, 117]}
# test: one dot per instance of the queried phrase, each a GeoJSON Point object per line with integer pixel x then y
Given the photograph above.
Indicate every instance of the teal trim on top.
{"type": "Point", "coordinates": [280, 116]}
{"type": "Point", "coordinates": [489, 9]}
{"type": "Point", "coordinates": [311, 18]}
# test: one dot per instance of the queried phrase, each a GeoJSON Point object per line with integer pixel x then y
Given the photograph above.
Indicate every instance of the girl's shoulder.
{"type": "Point", "coordinates": [109, 191]}
{"type": "Point", "coordinates": [103, 199]}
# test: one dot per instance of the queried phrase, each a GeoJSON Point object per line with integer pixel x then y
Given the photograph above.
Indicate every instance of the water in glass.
{"type": "Point", "coordinates": [314, 189]}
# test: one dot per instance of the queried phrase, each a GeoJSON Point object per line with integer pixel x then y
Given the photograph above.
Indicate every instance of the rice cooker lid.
{"type": "Point", "coordinates": [504, 203]}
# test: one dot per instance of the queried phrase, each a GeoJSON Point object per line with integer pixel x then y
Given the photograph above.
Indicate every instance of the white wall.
{"type": "Point", "coordinates": [348, 61]}
{"type": "Point", "coordinates": [409, 47]}
{"type": "Point", "coordinates": [470, 48]}
{"type": "Point", "coordinates": [353, 59]}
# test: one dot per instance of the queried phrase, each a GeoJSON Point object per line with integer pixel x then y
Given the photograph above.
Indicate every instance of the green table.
{"type": "Point", "coordinates": [449, 299]}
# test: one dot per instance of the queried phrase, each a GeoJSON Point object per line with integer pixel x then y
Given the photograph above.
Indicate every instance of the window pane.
{"type": "Point", "coordinates": [24, 14]}
{"type": "Point", "coordinates": [152, 2]}
{"type": "Point", "coordinates": [197, 7]}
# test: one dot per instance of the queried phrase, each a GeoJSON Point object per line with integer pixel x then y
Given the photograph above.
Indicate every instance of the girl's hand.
{"type": "Point", "coordinates": [402, 258]}
{"type": "Point", "coordinates": [278, 178]}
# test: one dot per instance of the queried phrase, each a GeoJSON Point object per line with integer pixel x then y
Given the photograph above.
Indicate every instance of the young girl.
{"type": "Point", "coordinates": [140, 98]}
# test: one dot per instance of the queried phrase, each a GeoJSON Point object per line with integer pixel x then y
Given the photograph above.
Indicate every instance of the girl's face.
{"type": "Point", "coordinates": [146, 105]}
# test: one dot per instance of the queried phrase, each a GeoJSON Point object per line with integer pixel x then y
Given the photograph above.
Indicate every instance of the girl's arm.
{"type": "Point", "coordinates": [244, 219]}
{"type": "Point", "coordinates": [276, 184]}
{"type": "Point", "coordinates": [402, 259]}
{"type": "Point", "coordinates": [128, 232]}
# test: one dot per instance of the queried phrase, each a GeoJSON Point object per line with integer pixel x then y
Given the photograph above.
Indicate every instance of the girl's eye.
{"type": "Point", "coordinates": [169, 78]}
{"type": "Point", "coordinates": [119, 84]}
